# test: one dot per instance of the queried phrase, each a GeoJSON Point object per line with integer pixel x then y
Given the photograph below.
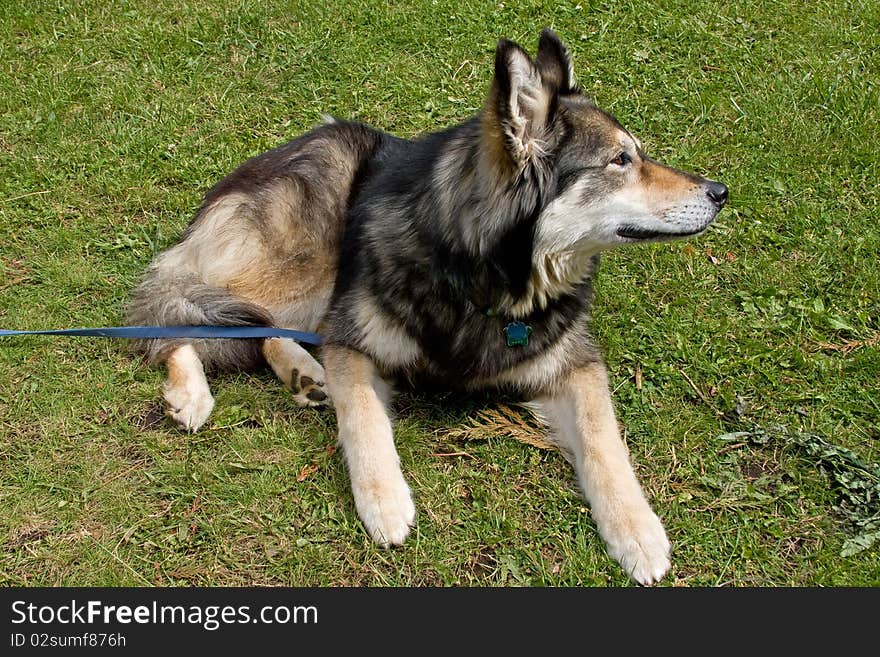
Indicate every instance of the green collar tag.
{"type": "Point", "coordinates": [517, 334]}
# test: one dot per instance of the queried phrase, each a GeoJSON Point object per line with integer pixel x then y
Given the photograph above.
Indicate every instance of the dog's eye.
{"type": "Point", "coordinates": [621, 160]}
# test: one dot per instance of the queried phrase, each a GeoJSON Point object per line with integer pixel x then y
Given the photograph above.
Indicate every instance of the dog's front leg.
{"type": "Point", "coordinates": [360, 395]}
{"type": "Point", "coordinates": [582, 415]}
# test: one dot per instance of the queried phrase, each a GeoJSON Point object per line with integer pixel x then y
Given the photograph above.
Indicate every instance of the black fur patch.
{"type": "Point", "coordinates": [420, 274]}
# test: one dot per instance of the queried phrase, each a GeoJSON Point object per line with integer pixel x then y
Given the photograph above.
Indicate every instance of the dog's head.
{"type": "Point", "coordinates": [599, 187]}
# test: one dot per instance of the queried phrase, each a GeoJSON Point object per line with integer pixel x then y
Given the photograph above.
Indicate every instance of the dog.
{"type": "Point", "coordinates": [462, 259]}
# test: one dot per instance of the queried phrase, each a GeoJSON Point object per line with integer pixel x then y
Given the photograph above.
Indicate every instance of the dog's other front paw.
{"type": "Point", "coordinates": [640, 546]}
{"type": "Point", "coordinates": [386, 508]}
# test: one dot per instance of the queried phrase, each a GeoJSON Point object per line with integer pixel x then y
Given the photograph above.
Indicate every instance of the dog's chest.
{"type": "Point", "coordinates": [464, 348]}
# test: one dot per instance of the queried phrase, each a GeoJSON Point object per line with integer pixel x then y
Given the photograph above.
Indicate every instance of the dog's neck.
{"type": "Point", "coordinates": [495, 224]}
{"type": "Point", "coordinates": [554, 275]}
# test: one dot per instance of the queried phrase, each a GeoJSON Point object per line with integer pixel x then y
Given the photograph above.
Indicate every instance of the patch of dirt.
{"type": "Point", "coordinates": [30, 532]}
{"type": "Point", "coordinates": [150, 417]}
{"type": "Point", "coordinates": [483, 563]}
{"type": "Point", "coordinates": [752, 470]}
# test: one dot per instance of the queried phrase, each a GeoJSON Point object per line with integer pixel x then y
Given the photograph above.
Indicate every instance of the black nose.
{"type": "Point", "coordinates": [717, 192]}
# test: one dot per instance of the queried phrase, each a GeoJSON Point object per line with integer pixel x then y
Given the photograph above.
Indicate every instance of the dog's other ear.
{"type": "Point", "coordinates": [520, 103]}
{"type": "Point", "coordinates": [554, 62]}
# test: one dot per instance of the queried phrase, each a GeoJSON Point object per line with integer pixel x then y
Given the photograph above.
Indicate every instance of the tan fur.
{"type": "Point", "coordinates": [495, 153]}
{"type": "Point", "coordinates": [582, 417]}
{"type": "Point", "coordinates": [663, 186]}
{"type": "Point", "coordinates": [220, 246]}
{"type": "Point", "coordinates": [186, 389]}
{"type": "Point", "coordinates": [179, 369]}
{"type": "Point", "coordinates": [284, 264]}
{"type": "Point", "coordinates": [381, 494]}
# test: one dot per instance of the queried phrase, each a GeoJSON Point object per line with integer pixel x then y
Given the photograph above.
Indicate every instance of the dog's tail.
{"type": "Point", "coordinates": [171, 298]}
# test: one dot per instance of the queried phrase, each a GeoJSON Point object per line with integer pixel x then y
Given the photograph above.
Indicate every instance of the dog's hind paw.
{"type": "Point", "coordinates": [642, 549]}
{"type": "Point", "coordinates": [298, 370]}
{"type": "Point", "coordinates": [386, 508]}
{"type": "Point", "coordinates": [308, 390]}
{"type": "Point", "coordinates": [189, 406]}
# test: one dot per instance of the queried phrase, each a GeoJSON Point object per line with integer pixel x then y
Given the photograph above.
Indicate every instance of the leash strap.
{"type": "Point", "coordinates": [158, 332]}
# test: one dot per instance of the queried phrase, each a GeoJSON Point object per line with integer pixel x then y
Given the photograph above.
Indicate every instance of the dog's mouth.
{"type": "Point", "coordinates": [638, 233]}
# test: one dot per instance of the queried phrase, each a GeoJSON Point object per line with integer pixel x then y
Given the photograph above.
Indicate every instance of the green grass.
{"type": "Point", "coordinates": [116, 117]}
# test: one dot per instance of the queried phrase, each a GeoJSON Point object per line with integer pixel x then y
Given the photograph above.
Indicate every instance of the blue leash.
{"type": "Point", "coordinates": [155, 332]}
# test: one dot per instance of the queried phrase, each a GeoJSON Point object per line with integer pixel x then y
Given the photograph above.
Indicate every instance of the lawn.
{"type": "Point", "coordinates": [745, 363]}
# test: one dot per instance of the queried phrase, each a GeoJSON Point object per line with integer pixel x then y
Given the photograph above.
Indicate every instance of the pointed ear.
{"type": "Point", "coordinates": [554, 62]}
{"type": "Point", "coordinates": [520, 101]}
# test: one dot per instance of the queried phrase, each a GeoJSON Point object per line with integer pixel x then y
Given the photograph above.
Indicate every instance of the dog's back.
{"type": "Point", "coordinates": [262, 249]}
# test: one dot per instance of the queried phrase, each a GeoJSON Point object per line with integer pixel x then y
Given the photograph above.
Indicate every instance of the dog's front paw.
{"type": "Point", "coordinates": [640, 546]}
{"type": "Point", "coordinates": [386, 508]}
{"type": "Point", "coordinates": [189, 405]}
